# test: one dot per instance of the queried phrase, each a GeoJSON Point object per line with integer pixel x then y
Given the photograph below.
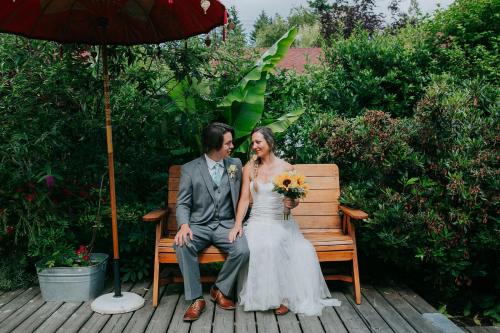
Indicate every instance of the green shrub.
{"type": "Point", "coordinates": [430, 184]}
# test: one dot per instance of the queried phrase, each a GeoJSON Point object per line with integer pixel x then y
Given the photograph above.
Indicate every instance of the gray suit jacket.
{"type": "Point", "coordinates": [195, 199]}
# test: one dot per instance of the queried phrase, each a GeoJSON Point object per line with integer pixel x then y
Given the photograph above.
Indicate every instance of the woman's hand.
{"type": "Point", "coordinates": [290, 203]}
{"type": "Point", "coordinates": [235, 232]}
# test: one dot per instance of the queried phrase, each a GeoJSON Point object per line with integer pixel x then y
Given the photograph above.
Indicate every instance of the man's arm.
{"type": "Point", "coordinates": [184, 199]}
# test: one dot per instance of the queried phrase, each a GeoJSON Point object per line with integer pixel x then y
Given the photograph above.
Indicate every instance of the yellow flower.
{"type": "Point", "coordinates": [283, 181]}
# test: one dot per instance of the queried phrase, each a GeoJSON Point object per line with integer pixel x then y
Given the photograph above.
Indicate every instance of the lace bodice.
{"type": "Point", "coordinates": [266, 203]}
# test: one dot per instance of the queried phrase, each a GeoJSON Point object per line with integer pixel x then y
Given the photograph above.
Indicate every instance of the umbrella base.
{"type": "Point", "coordinates": [109, 304]}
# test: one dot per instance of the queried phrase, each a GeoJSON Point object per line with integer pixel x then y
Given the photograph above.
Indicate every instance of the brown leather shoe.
{"type": "Point", "coordinates": [281, 310]}
{"type": "Point", "coordinates": [194, 311]}
{"type": "Point", "coordinates": [222, 301]}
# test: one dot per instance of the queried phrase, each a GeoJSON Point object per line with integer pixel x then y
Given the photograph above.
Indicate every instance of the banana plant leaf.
{"type": "Point", "coordinates": [277, 125]}
{"type": "Point", "coordinates": [244, 105]}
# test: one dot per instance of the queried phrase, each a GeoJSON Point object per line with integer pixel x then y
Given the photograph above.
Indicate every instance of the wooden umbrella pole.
{"type": "Point", "coordinates": [111, 171]}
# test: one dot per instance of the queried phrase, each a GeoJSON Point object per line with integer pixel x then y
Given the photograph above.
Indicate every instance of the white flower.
{"type": "Point", "coordinates": [231, 171]}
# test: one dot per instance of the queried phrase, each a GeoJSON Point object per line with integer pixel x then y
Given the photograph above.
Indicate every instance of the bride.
{"type": "Point", "coordinates": [283, 271]}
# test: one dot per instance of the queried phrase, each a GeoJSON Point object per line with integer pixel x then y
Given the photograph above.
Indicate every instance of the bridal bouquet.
{"type": "Point", "coordinates": [292, 185]}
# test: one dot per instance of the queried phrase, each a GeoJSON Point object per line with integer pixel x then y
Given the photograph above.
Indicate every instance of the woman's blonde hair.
{"type": "Point", "coordinates": [268, 135]}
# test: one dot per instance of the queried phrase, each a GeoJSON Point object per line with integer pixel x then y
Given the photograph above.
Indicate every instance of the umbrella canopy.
{"type": "Point", "coordinates": [118, 22]}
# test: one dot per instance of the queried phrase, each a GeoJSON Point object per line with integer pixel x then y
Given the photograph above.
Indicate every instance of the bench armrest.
{"type": "Point", "coordinates": [155, 215]}
{"type": "Point", "coordinates": [355, 214]}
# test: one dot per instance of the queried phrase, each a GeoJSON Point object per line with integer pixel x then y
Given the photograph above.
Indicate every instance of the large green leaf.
{"type": "Point", "coordinates": [282, 123]}
{"type": "Point", "coordinates": [244, 105]}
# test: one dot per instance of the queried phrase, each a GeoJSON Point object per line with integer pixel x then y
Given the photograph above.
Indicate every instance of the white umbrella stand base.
{"type": "Point", "coordinates": [109, 304]}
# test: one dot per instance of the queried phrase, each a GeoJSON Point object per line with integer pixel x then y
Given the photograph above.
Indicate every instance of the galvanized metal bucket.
{"type": "Point", "coordinates": [73, 284]}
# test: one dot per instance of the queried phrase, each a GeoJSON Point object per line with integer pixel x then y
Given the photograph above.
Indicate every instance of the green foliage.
{"type": "Point", "coordinates": [267, 30]}
{"type": "Point", "coordinates": [429, 183]}
{"type": "Point", "coordinates": [464, 39]}
{"type": "Point", "coordinates": [243, 106]}
{"type": "Point", "coordinates": [384, 72]}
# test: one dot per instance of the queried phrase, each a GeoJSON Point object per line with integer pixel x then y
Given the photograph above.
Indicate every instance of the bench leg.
{"type": "Point", "coordinates": [156, 281]}
{"type": "Point", "coordinates": [355, 279]}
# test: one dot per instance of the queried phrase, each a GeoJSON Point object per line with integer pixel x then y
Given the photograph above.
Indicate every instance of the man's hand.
{"type": "Point", "coordinates": [235, 232]}
{"type": "Point", "coordinates": [181, 237]}
{"type": "Point", "coordinates": [290, 203]}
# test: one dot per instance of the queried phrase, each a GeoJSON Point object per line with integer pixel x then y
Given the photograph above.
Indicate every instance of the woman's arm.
{"type": "Point", "coordinates": [243, 203]}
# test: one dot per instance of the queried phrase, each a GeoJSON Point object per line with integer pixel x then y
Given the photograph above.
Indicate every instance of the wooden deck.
{"type": "Point", "coordinates": [384, 309]}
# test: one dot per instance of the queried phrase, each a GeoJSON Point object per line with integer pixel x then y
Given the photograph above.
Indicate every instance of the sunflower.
{"type": "Point", "coordinates": [283, 181]}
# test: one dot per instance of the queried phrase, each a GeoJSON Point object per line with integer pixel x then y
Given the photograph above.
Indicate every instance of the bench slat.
{"type": "Point", "coordinates": [305, 169]}
{"type": "Point", "coordinates": [315, 183]}
{"type": "Point", "coordinates": [313, 196]}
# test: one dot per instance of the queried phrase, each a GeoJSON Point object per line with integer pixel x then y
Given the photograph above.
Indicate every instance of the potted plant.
{"type": "Point", "coordinates": [75, 276]}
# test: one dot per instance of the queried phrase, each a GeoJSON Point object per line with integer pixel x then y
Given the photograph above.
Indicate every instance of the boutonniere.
{"type": "Point", "coordinates": [231, 171]}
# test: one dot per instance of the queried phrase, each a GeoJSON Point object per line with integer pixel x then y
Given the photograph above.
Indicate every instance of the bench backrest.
{"type": "Point", "coordinates": [319, 210]}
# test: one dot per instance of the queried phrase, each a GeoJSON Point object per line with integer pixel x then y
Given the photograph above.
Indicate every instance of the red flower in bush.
{"type": "Point", "coordinates": [82, 250]}
{"type": "Point", "coordinates": [29, 197]}
{"type": "Point", "coordinates": [83, 255]}
{"type": "Point", "coordinates": [9, 230]}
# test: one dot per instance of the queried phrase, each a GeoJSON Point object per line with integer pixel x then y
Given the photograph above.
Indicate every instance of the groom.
{"type": "Point", "coordinates": [206, 207]}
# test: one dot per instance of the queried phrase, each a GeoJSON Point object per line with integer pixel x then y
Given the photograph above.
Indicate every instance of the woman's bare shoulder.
{"type": "Point", "coordinates": [284, 165]}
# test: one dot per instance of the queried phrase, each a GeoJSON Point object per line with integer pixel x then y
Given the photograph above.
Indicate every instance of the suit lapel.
{"type": "Point", "coordinates": [231, 184]}
{"type": "Point", "coordinates": [202, 164]}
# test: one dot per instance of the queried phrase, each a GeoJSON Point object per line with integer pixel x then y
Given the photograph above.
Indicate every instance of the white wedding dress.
{"type": "Point", "coordinates": [283, 267]}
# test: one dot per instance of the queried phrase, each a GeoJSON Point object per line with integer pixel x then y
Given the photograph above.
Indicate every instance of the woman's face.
{"type": "Point", "coordinates": [260, 145]}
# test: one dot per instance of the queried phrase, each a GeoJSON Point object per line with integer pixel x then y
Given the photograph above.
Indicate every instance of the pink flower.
{"type": "Point", "coordinates": [9, 230]}
{"type": "Point", "coordinates": [50, 181]}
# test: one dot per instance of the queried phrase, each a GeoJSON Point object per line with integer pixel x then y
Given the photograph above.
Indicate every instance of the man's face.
{"type": "Point", "coordinates": [227, 146]}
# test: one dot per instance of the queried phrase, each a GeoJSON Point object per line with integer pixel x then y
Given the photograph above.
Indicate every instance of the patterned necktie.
{"type": "Point", "coordinates": [217, 173]}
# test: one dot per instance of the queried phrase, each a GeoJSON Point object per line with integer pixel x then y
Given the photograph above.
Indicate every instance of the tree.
{"type": "Point", "coordinates": [319, 6]}
{"type": "Point", "coordinates": [402, 19]}
{"type": "Point", "coordinates": [343, 18]}
{"type": "Point", "coordinates": [269, 34]}
{"type": "Point", "coordinates": [262, 21]}
{"type": "Point", "coordinates": [236, 30]}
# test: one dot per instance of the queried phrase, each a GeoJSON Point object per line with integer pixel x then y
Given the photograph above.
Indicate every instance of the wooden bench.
{"type": "Point", "coordinates": [322, 220]}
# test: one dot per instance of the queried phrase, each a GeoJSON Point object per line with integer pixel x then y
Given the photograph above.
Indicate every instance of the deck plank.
{"type": "Point", "coordinates": [383, 309]}
{"type": "Point", "coordinates": [160, 320]}
{"type": "Point", "coordinates": [8, 309]}
{"type": "Point", "coordinates": [331, 321]}
{"type": "Point", "coordinates": [289, 323]}
{"type": "Point", "coordinates": [77, 319]}
{"type": "Point", "coordinates": [177, 325]}
{"type": "Point", "coordinates": [407, 311]}
{"type": "Point", "coordinates": [415, 300]}
{"type": "Point", "coordinates": [38, 318]}
{"type": "Point", "coordinates": [245, 321]}
{"type": "Point", "coordinates": [382, 306]}
{"type": "Point", "coordinates": [58, 318]}
{"type": "Point", "coordinates": [141, 317]}
{"type": "Point", "coordinates": [97, 321]}
{"type": "Point", "coordinates": [266, 322]}
{"type": "Point", "coordinates": [223, 320]}
{"type": "Point", "coordinates": [482, 329]}
{"type": "Point", "coordinates": [118, 322]}
{"type": "Point", "coordinates": [310, 324]}
{"type": "Point", "coordinates": [349, 315]}
{"type": "Point", "coordinates": [21, 314]}
{"type": "Point", "coordinates": [373, 320]}
{"type": "Point", "coordinates": [8, 296]}
{"type": "Point", "coordinates": [204, 324]}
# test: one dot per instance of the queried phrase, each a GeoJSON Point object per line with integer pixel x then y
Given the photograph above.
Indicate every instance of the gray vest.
{"type": "Point", "coordinates": [224, 211]}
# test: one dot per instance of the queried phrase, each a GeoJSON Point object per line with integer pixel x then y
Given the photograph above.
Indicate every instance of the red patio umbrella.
{"type": "Point", "coordinates": [116, 22]}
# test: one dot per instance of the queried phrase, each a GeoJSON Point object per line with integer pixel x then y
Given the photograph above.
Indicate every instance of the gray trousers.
{"type": "Point", "coordinates": [204, 236]}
